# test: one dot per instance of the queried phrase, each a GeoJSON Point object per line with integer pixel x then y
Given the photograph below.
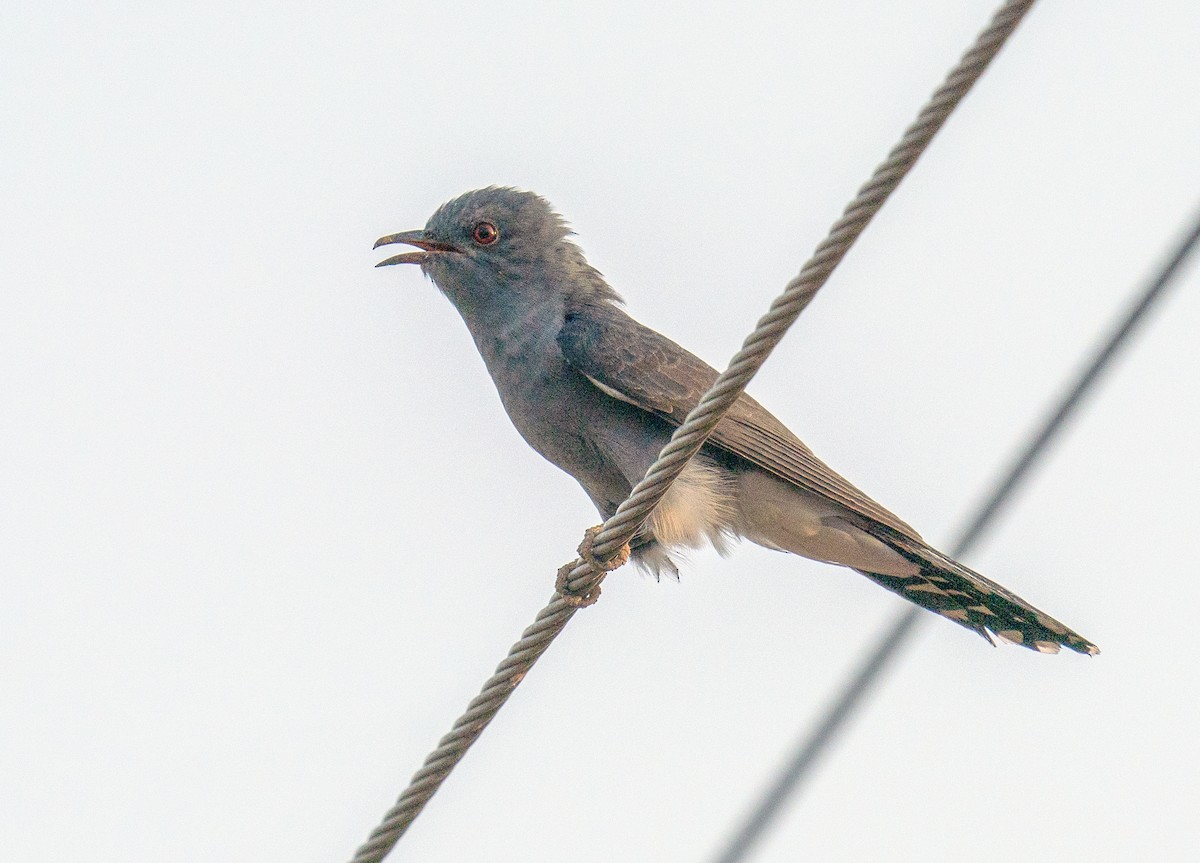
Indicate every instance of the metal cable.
{"type": "Point", "coordinates": [581, 579]}
{"type": "Point", "coordinates": [798, 765]}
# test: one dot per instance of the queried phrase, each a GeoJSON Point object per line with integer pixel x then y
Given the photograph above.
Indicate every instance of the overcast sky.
{"type": "Point", "coordinates": [265, 528]}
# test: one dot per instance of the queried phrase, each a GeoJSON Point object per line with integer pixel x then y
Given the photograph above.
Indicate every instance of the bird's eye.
{"type": "Point", "coordinates": [485, 233]}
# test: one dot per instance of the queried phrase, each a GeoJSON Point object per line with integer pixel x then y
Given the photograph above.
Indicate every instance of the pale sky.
{"type": "Point", "coordinates": [265, 528]}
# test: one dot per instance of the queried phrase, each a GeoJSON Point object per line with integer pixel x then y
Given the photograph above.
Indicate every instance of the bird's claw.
{"type": "Point", "coordinates": [619, 558]}
{"type": "Point", "coordinates": [598, 566]}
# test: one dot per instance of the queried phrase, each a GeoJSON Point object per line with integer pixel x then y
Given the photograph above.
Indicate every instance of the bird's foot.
{"type": "Point", "coordinates": [619, 558]}
{"type": "Point", "coordinates": [598, 566]}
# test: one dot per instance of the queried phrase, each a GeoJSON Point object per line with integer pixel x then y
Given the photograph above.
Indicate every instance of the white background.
{"type": "Point", "coordinates": [265, 529]}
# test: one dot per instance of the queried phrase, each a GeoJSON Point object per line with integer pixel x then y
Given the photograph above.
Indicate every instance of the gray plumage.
{"type": "Point", "coordinates": [598, 395]}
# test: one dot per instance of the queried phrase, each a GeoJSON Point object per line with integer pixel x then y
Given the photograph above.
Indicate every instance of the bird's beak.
{"type": "Point", "coordinates": [411, 238]}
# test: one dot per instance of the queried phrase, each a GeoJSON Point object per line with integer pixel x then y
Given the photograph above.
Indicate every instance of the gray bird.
{"type": "Point", "coordinates": [598, 394]}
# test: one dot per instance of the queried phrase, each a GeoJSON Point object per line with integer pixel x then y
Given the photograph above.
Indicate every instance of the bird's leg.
{"type": "Point", "coordinates": [619, 559]}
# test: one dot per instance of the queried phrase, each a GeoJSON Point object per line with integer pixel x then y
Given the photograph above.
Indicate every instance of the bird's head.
{"type": "Point", "coordinates": [499, 248]}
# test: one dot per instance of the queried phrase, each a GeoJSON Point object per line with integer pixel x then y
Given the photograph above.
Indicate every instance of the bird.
{"type": "Point", "coordinates": [598, 394]}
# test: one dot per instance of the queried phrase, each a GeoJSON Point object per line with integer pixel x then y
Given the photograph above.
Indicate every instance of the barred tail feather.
{"type": "Point", "coordinates": [946, 587]}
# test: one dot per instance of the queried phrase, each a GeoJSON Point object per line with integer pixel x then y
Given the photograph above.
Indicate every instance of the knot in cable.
{"type": "Point", "coordinates": [587, 558]}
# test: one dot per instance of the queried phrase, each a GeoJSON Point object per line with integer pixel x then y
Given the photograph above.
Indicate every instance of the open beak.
{"type": "Point", "coordinates": [411, 238]}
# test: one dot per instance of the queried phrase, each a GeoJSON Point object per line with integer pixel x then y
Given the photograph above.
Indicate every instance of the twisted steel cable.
{"type": "Point", "coordinates": [580, 579]}
{"type": "Point", "coordinates": [689, 437]}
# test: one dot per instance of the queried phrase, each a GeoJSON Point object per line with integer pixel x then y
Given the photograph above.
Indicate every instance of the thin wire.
{"type": "Point", "coordinates": [581, 579]}
{"type": "Point", "coordinates": [800, 763]}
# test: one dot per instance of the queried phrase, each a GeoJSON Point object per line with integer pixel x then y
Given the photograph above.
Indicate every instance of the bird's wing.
{"type": "Point", "coordinates": [636, 364]}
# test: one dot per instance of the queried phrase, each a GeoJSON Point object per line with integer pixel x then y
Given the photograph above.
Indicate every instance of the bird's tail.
{"type": "Point", "coordinates": [948, 588]}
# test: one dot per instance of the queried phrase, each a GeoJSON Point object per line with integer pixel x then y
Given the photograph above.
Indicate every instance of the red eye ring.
{"type": "Point", "coordinates": [485, 233]}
